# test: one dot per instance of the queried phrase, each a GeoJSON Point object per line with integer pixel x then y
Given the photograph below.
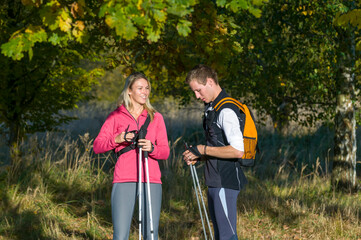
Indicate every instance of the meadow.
{"type": "Point", "coordinates": [60, 189]}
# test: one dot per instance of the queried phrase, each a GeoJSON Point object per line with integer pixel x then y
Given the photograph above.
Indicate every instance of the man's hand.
{"type": "Point", "coordinates": [192, 154]}
{"type": "Point", "coordinates": [189, 157]}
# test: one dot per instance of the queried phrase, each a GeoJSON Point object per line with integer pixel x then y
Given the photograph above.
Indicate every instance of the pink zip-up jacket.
{"type": "Point", "coordinates": [126, 168]}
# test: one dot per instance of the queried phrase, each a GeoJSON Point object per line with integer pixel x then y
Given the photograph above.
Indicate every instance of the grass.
{"type": "Point", "coordinates": [56, 195]}
{"type": "Point", "coordinates": [61, 190]}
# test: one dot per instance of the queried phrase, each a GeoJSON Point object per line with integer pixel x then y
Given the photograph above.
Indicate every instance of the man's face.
{"type": "Point", "coordinates": [202, 92]}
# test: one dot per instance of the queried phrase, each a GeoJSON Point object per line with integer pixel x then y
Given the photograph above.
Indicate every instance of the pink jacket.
{"type": "Point", "coordinates": [126, 168]}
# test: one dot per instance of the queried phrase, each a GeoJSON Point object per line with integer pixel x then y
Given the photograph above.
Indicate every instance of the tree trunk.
{"type": "Point", "coordinates": [344, 162]}
{"type": "Point", "coordinates": [14, 143]}
{"type": "Point", "coordinates": [281, 120]}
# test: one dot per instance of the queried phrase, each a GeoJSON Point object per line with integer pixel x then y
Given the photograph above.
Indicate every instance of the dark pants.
{"type": "Point", "coordinates": [222, 205]}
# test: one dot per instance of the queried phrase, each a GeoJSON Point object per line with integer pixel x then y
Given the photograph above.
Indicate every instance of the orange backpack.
{"type": "Point", "coordinates": [248, 128]}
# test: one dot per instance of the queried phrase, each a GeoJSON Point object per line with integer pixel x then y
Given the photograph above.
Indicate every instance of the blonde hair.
{"type": "Point", "coordinates": [124, 98]}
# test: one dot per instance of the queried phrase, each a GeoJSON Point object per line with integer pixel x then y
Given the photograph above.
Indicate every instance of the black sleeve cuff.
{"type": "Point", "coordinates": [152, 148]}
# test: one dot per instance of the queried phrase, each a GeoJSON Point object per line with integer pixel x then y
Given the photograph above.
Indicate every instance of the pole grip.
{"type": "Point", "coordinates": [142, 136]}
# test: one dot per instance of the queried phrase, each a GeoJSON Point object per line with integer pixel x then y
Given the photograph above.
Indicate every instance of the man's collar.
{"type": "Point", "coordinates": [220, 96]}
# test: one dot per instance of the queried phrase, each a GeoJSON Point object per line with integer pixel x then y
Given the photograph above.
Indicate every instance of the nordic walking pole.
{"type": "Point", "coordinates": [204, 206]}
{"type": "Point", "coordinates": [199, 205]}
{"type": "Point", "coordinates": [197, 188]}
{"type": "Point", "coordinates": [140, 192]}
{"type": "Point", "coordinates": [149, 196]}
{"type": "Point", "coordinates": [141, 136]}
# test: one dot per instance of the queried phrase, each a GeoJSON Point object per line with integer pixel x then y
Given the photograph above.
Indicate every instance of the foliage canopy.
{"type": "Point", "coordinates": [48, 46]}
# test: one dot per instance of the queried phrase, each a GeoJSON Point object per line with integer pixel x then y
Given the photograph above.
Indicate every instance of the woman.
{"type": "Point", "coordinates": [118, 131]}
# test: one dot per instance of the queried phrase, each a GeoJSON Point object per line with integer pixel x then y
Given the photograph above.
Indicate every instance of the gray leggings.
{"type": "Point", "coordinates": [124, 196]}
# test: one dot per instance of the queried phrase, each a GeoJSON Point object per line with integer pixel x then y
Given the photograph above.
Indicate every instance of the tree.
{"type": "Point", "coordinates": [286, 62]}
{"type": "Point", "coordinates": [44, 46]}
{"type": "Point", "coordinates": [344, 164]}
{"type": "Point", "coordinates": [34, 89]}
{"type": "Point", "coordinates": [303, 68]}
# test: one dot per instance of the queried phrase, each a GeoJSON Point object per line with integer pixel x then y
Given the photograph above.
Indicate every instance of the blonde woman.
{"type": "Point", "coordinates": [117, 133]}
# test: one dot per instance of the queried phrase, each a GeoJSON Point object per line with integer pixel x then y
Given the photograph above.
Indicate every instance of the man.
{"type": "Point", "coordinates": [223, 174]}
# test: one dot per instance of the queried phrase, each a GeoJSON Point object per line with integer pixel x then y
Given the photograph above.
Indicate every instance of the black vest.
{"type": "Point", "coordinates": [221, 173]}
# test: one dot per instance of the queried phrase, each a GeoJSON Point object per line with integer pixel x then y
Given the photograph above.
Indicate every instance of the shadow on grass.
{"type": "Point", "coordinates": [28, 224]}
{"type": "Point", "coordinates": [52, 191]}
{"type": "Point", "coordinates": [301, 201]}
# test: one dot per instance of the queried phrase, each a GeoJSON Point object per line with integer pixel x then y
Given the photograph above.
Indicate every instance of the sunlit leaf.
{"type": "Point", "coordinates": [221, 3]}
{"type": "Point", "coordinates": [13, 49]}
{"type": "Point", "coordinates": [256, 12]}
{"type": "Point", "coordinates": [183, 27]}
{"type": "Point", "coordinates": [65, 24]}
{"type": "Point", "coordinates": [152, 34]}
{"type": "Point", "coordinates": [159, 15]}
{"type": "Point", "coordinates": [54, 39]}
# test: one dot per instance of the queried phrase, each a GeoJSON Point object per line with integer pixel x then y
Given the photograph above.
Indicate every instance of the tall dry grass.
{"type": "Point", "coordinates": [61, 190]}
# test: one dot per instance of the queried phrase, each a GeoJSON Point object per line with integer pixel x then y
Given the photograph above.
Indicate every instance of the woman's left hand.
{"type": "Point", "coordinates": [145, 144]}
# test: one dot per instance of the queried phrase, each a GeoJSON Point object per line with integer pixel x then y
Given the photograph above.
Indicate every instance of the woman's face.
{"type": "Point", "coordinates": [139, 92]}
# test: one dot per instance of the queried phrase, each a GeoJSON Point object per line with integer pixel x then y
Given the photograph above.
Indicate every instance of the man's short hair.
{"type": "Point", "coordinates": [200, 73]}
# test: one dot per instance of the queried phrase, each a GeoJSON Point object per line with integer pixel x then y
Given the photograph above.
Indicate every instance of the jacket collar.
{"type": "Point", "coordinates": [123, 109]}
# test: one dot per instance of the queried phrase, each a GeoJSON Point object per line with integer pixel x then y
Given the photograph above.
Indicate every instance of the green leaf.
{"type": "Point", "coordinates": [221, 3]}
{"type": "Point", "coordinates": [131, 10]}
{"type": "Point", "coordinates": [123, 27]}
{"type": "Point", "coordinates": [13, 49]}
{"type": "Point", "coordinates": [131, 31]}
{"type": "Point", "coordinates": [158, 5]}
{"type": "Point", "coordinates": [141, 21]}
{"type": "Point", "coordinates": [255, 12]}
{"type": "Point", "coordinates": [258, 2]}
{"type": "Point", "coordinates": [49, 18]}
{"type": "Point", "coordinates": [341, 20]}
{"type": "Point", "coordinates": [39, 35]}
{"type": "Point", "coordinates": [104, 9]}
{"type": "Point", "coordinates": [152, 34]}
{"type": "Point", "coordinates": [179, 10]}
{"type": "Point", "coordinates": [159, 15]}
{"type": "Point", "coordinates": [30, 53]}
{"type": "Point", "coordinates": [54, 39]}
{"type": "Point", "coordinates": [183, 27]}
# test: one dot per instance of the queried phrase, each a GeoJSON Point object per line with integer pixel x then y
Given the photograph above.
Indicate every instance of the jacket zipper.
{"type": "Point", "coordinates": [134, 119]}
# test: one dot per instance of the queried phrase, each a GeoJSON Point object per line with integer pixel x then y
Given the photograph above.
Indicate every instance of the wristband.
{"type": "Point", "coordinates": [204, 150]}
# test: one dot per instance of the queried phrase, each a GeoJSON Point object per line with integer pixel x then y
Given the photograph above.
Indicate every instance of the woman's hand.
{"type": "Point", "coordinates": [120, 138]}
{"type": "Point", "coordinates": [145, 144]}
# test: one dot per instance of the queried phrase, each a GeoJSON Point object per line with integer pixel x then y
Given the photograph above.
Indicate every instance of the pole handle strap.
{"type": "Point", "coordinates": [141, 134]}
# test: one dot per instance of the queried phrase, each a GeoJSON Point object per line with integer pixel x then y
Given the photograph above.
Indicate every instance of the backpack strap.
{"type": "Point", "coordinates": [246, 111]}
{"type": "Point", "coordinates": [142, 132]}
{"type": "Point", "coordinates": [228, 100]}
